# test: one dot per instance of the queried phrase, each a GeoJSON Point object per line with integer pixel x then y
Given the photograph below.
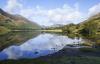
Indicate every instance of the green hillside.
{"type": "Point", "coordinates": [15, 22]}
{"type": "Point", "coordinates": [91, 26]}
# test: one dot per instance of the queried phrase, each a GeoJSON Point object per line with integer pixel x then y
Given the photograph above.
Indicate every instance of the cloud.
{"type": "Point", "coordinates": [61, 15]}
{"type": "Point", "coordinates": [13, 6]}
{"type": "Point", "coordinates": [94, 9]}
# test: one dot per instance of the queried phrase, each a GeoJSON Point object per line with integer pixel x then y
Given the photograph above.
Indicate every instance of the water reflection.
{"type": "Point", "coordinates": [16, 38]}
{"type": "Point", "coordinates": [41, 45]}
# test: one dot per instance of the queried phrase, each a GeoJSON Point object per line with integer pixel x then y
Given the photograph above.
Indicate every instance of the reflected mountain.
{"type": "Point", "coordinates": [16, 38]}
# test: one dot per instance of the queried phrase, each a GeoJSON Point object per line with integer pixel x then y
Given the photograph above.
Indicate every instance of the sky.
{"type": "Point", "coordinates": [51, 12]}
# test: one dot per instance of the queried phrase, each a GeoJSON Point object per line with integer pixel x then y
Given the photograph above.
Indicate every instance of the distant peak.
{"type": "Point", "coordinates": [0, 9]}
{"type": "Point", "coordinates": [2, 12]}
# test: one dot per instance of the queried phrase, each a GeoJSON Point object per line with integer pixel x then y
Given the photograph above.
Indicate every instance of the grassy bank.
{"type": "Point", "coordinates": [56, 60]}
{"type": "Point", "coordinates": [52, 30]}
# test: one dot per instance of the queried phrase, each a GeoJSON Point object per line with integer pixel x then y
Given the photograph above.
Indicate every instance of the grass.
{"type": "Point", "coordinates": [55, 60]}
{"type": "Point", "coordinates": [56, 30]}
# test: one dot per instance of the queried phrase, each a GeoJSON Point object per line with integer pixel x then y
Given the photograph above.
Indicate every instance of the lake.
{"type": "Point", "coordinates": [35, 44]}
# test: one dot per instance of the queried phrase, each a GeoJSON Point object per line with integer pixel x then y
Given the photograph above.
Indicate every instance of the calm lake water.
{"type": "Point", "coordinates": [21, 45]}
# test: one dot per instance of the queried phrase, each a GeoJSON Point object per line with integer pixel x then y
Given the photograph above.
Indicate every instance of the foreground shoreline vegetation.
{"type": "Point", "coordinates": [54, 60]}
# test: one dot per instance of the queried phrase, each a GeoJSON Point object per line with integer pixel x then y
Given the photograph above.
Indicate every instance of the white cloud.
{"type": "Point", "coordinates": [63, 15]}
{"type": "Point", "coordinates": [94, 9]}
{"type": "Point", "coordinates": [13, 6]}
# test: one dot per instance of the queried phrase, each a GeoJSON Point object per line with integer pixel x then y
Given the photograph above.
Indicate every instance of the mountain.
{"type": "Point", "coordinates": [89, 27]}
{"type": "Point", "coordinates": [16, 21]}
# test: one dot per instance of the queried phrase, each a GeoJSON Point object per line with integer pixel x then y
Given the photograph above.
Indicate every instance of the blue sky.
{"type": "Point", "coordinates": [49, 12]}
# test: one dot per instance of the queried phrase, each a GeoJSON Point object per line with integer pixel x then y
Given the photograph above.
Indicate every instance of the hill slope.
{"type": "Point", "coordinates": [91, 25]}
{"type": "Point", "coordinates": [16, 21]}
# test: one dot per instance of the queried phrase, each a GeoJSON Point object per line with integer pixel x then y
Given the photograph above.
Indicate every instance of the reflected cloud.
{"type": "Point", "coordinates": [42, 45]}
